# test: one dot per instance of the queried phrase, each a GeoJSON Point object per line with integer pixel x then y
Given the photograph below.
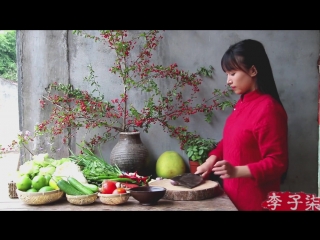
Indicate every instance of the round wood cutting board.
{"type": "Point", "coordinates": [206, 190]}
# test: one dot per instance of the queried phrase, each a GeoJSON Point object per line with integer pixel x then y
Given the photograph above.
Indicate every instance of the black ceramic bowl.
{"type": "Point", "coordinates": [147, 195]}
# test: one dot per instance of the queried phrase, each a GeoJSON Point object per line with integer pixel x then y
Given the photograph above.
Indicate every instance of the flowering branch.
{"type": "Point", "coordinates": [73, 108]}
{"type": "Point", "coordinates": [23, 139]}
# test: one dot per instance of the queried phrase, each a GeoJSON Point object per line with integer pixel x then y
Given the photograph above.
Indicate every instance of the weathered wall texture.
{"type": "Point", "coordinates": [48, 56]}
{"type": "Point", "coordinates": [9, 113]}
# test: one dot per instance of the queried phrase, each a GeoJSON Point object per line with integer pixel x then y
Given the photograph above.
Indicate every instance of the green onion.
{"type": "Point", "coordinates": [93, 167]}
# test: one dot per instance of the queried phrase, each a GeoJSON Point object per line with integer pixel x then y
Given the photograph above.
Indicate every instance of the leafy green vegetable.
{"type": "Point", "coordinates": [60, 162]}
{"type": "Point", "coordinates": [70, 169]}
{"type": "Point", "coordinates": [41, 164]}
{"type": "Point", "coordinates": [47, 170]}
{"type": "Point", "coordinates": [42, 159]}
{"type": "Point", "coordinates": [30, 168]}
{"type": "Point", "coordinates": [95, 168]}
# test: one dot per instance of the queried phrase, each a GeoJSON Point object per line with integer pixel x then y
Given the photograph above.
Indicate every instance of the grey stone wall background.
{"type": "Point", "coordinates": [46, 56]}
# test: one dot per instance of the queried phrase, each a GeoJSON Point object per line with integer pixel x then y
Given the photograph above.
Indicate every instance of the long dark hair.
{"type": "Point", "coordinates": [246, 53]}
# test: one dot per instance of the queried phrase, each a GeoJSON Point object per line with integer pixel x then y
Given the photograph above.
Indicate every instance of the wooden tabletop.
{"type": "Point", "coordinates": [218, 203]}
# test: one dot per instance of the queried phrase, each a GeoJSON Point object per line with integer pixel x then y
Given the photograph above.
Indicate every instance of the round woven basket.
{"type": "Point", "coordinates": [82, 199]}
{"type": "Point", "coordinates": [39, 198]}
{"type": "Point", "coordinates": [114, 199]}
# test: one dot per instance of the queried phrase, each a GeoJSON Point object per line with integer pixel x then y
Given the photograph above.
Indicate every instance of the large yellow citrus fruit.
{"type": "Point", "coordinates": [170, 164]}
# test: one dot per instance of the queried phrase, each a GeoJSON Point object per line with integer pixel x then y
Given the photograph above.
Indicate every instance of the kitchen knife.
{"type": "Point", "coordinates": [188, 180]}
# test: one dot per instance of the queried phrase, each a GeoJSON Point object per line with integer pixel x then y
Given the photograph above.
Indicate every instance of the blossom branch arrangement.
{"type": "Point", "coordinates": [74, 109]}
{"type": "Point", "coordinates": [24, 138]}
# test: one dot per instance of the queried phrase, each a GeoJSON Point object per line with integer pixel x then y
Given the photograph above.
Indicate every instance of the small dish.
{"type": "Point", "coordinates": [148, 195]}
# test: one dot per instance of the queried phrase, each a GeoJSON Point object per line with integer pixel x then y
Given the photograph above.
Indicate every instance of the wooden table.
{"type": "Point", "coordinates": [218, 203]}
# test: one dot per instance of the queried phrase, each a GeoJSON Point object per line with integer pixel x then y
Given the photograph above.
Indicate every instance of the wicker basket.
{"type": "Point", "coordinates": [12, 190]}
{"type": "Point", "coordinates": [82, 199]}
{"type": "Point", "coordinates": [39, 198]}
{"type": "Point", "coordinates": [114, 199]}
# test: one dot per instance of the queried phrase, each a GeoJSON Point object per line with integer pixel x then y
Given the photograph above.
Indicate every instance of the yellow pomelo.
{"type": "Point", "coordinates": [170, 164]}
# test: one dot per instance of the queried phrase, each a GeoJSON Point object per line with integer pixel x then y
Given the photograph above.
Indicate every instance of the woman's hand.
{"type": "Point", "coordinates": [206, 168]}
{"type": "Point", "coordinates": [224, 169]}
{"type": "Point", "coordinates": [227, 170]}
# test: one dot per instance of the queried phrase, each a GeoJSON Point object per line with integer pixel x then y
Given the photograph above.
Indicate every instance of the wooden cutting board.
{"type": "Point", "coordinates": [206, 190]}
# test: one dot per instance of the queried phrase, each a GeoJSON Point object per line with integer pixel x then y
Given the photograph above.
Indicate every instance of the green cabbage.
{"type": "Point", "coordinates": [41, 164]}
{"type": "Point", "coordinates": [59, 162]}
{"type": "Point", "coordinates": [49, 170]}
{"type": "Point", "coordinates": [42, 159]}
{"type": "Point", "coordinates": [30, 168]}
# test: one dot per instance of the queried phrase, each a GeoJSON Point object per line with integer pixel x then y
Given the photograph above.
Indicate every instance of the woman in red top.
{"type": "Point", "coordinates": [252, 156]}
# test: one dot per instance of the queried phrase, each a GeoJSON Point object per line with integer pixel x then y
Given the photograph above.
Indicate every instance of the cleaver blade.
{"type": "Point", "coordinates": [188, 180]}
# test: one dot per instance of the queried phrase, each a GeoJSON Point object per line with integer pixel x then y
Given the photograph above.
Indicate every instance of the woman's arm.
{"type": "Point", "coordinates": [271, 133]}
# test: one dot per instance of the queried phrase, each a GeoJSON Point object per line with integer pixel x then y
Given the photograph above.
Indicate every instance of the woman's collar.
{"type": "Point", "coordinates": [247, 97]}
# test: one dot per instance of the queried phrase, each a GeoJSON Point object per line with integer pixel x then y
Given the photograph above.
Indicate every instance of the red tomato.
{"type": "Point", "coordinates": [108, 187]}
{"type": "Point", "coordinates": [119, 191]}
{"type": "Point", "coordinates": [106, 180]}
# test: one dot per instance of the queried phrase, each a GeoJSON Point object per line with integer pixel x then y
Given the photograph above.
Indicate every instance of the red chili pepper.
{"type": "Point", "coordinates": [134, 177]}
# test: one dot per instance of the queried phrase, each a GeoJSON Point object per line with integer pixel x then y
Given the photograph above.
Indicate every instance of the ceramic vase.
{"type": "Point", "coordinates": [130, 154]}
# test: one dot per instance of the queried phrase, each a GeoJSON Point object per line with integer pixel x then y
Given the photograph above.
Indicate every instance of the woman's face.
{"type": "Point", "coordinates": [242, 82]}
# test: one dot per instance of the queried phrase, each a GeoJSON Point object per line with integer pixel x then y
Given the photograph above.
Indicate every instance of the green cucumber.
{"type": "Point", "coordinates": [68, 188]}
{"type": "Point", "coordinates": [79, 186]}
{"type": "Point", "coordinates": [92, 187]}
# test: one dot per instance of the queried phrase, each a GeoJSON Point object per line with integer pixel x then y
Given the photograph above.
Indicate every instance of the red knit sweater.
{"type": "Point", "coordinates": [255, 134]}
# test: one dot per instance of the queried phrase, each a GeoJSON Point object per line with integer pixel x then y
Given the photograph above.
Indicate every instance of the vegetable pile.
{"type": "Point", "coordinates": [41, 164]}
{"type": "Point", "coordinates": [95, 169]}
{"type": "Point", "coordinates": [83, 169]}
